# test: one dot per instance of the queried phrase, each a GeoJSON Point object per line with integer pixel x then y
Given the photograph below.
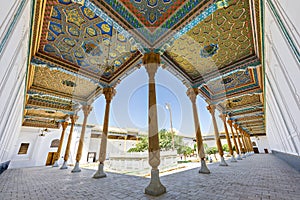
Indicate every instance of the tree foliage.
{"type": "Point", "coordinates": [141, 146]}
{"type": "Point", "coordinates": [225, 147]}
{"type": "Point", "coordinates": [185, 150]}
{"type": "Point", "coordinates": [211, 150]}
{"type": "Point", "coordinates": [165, 143]}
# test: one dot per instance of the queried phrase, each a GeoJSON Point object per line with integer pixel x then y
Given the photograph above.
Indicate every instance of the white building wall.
{"type": "Point", "coordinates": [114, 146]}
{"type": "Point", "coordinates": [39, 146]}
{"type": "Point", "coordinates": [282, 68]}
{"type": "Point", "coordinates": [14, 35]}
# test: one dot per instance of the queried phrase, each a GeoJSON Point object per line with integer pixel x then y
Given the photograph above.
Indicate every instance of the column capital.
{"type": "Point", "coordinates": [151, 61]}
{"type": "Point", "coordinates": [86, 109]}
{"type": "Point", "coordinates": [74, 118]}
{"type": "Point", "coordinates": [236, 126]}
{"type": "Point", "coordinates": [151, 57]}
{"type": "Point", "coordinates": [241, 130]}
{"type": "Point", "coordinates": [64, 125]}
{"type": "Point", "coordinates": [223, 117]}
{"type": "Point", "coordinates": [230, 122]}
{"type": "Point", "coordinates": [211, 109]}
{"type": "Point", "coordinates": [192, 94]}
{"type": "Point", "coordinates": [109, 93]}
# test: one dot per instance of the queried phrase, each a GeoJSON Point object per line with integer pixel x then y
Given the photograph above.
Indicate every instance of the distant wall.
{"type": "Point", "coordinates": [282, 69]}
{"type": "Point", "coordinates": [114, 146]}
{"type": "Point", "coordinates": [39, 146]}
{"type": "Point", "coordinates": [14, 35]}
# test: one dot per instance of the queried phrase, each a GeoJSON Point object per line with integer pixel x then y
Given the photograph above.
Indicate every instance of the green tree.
{"type": "Point", "coordinates": [165, 142]}
{"type": "Point", "coordinates": [185, 150]}
{"type": "Point", "coordinates": [212, 150]}
{"type": "Point", "coordinates": [205, 146]}
{"type": "Point", "coordinates": [225, 147]}
{"type": "Point", "coordinates": [141, 146]}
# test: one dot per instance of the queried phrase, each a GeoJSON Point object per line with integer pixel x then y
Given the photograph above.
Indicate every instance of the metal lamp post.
{"type": "Point", "coordinates": [168, 107]}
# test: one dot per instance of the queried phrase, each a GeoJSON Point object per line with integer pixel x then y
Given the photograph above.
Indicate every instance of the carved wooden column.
{"type": "Point", "coordinates": [73, 118]}
{"type": "Point", "coordinates": [250, 144]}
{"type": "Point", "coordinates": [239, 140]}
{"type": "Point", "coordinates": [86, 111]}
{"type": "Point", "coordinates": [223, 117]}
{"type": "Point", "coordinates": [62, 136]}
{"type": "Point", "coordinates": [109, 93]}
{"type": "Point", "coordinates": [192, 94]}
{"type": "Point", "coordinates": [247, 143]}
{"type": "Point", "coordinates": [151, 62]}
{"type": "Point", "coordinates": [244, 141]}
{"type": "Point", "coordinates": [238, 156]}
{"type": "Point", "coordinates": [212, 109]}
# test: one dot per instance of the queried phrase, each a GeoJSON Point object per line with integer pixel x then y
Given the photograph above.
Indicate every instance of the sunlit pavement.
{"type": "Point", "coordinates": [256, 177]}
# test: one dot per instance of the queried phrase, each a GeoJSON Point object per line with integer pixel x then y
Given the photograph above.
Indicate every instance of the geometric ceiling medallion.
{"type": "Point", "coordinates": [69, 83]}
{"type": "Point", "coordinates": [74, 17]}
{"type": "Point", "coordinates": [209, 50]}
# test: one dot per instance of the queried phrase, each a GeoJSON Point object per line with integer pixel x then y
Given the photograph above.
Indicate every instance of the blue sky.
{"type": "Point", "coordinates": [129, 107]}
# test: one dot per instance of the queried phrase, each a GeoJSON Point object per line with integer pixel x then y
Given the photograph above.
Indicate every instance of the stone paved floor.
{"type": "Point", "coordinates": [256, 177]}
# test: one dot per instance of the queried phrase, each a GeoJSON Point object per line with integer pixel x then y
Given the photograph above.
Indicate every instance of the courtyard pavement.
{"type": "Point", "coordinates": [256, 177]}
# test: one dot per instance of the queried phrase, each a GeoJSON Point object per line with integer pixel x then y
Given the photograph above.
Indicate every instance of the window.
{"type": "Point", "coordinates": [54, 143]}
{"type": "Point", "coordinates": [23, 148]}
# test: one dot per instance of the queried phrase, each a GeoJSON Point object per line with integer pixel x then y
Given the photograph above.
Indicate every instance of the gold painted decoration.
{"type": "Point", "coordinates": [74, 17]}
{"type": "Point", "coordinates": [230, 29]}
{"type": "Point", "coordinates": [53, 80]}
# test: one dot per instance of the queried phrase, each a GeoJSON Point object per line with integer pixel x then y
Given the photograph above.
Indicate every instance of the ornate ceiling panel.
{"type": "Point", "coordinates": [152, 13]}
{"type": "Point", "coordinates": [152, 20]}
{"type": "Point", "coordinates": [46, 114]}
{"type": "Point", "coordinates": [46, 103]}
{"type": "Point", "coordinates": [74, 34]}
{"type": "Point", "coordinates": [222, 39]}
{"type": "Point", "coordinates": [73, 87]}
{"type": "Point", "coordinates": [242, 102]}
{"type": "Point", "coordinates": [81, 46]}
{"type": "Point", "coordinates": [233, 84]}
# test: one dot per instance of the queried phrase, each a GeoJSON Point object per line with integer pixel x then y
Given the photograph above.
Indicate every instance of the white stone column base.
{"type": "Point", "coordinates": [238, 157]}
{"type": "Point", "coordinates": [76, 168]}
{"type": "Point", "coordinates": [65, 165]}
{"type": "Point", "coordinates": [100, 172]}
{"type": "Point", "coordinates": [204, 169]}
{"type": "Point", "coordinates": [232, 159]}
{"type": "Point", "coordinates": [55, 164]}
{"type": "Point", "coordinates": [155, 188]}
{"type": "Point", "coordinates": [223, 163]}
{"type": "Point", "coordinates": [244, 156]}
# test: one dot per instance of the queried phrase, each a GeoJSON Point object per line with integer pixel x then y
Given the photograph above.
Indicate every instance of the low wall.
{"type": "Point", "coordinates": [137, 162]}
{"type": "Point", "coordinates": [292, 160]}
{"type": "Point", "coordinates": [4, 166]}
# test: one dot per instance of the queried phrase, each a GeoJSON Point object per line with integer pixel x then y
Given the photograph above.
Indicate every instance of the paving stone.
{"type": "Point", "coordinates": [257, 177]}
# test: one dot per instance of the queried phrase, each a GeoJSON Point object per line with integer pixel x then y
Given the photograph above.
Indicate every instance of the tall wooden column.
{"type": "Point", "coordinates": [62, 136]}
{"type": "Point", "coordinates": [86, 111]}
{"type": "Point", "coordinates": [238, 138]}
{"type": "Point", "coordinates": [223, 117]}
{"type": "Point", "coordinates": [237, 149]}
{"type": "Point", "coordinates": [238, 156]}
{"type": "Point", "coordinates": [73, 118]}
{"type": "Point", "coordinates": [192, 94]}
{"type": "Point", "coordinates": [212, 109]}
{"type": "Point", "coordinates": [109, 93]}
{"type": "Point", "coordinates": [151, 62]}
{"type": "Point", "coordinates": [250, 144]}
{"type": "Point", "coordinates": [244, 141]}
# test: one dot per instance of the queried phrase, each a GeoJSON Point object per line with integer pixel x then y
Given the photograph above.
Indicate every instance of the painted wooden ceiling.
{"type": "Point", "coordinates": [78, 47]}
